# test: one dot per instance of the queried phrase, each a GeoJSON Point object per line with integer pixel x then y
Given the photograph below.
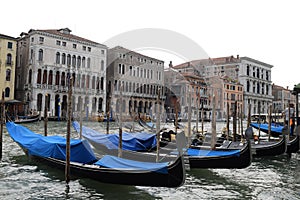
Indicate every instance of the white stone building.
{"type": "Point", "coordinates": [256, 78]}
{"type": "Point", "coordinates": [47, 58]}
{"type": "Point", "coordinates": [138, 78]}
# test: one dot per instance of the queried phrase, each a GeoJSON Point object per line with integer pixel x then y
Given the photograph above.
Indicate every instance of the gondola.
{"type": "Point", "coordinates": [25, 118]}
{"type": "Point", "coordinates": [230, 157]}
{"type": "Point", "coordinates": [83, 162]}
{"type": "Point", "coordinates": [226, 155]}
{"type": "Point", "coordinates": [263, 147]}
{"type": "Point", "coordinates": [277, 130]}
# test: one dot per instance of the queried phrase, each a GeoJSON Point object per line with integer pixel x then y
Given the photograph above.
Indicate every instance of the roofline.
{"type": "Point", "coordinates": [131, 51]}
{"type": "Point", "coordinates": [256, 61]}
{"type": "Point", "coordinates": [8, 37]}
{"type": "Point", "coordinates": [77, 38]}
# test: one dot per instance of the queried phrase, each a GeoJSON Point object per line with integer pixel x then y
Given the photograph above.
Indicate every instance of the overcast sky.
{"type": "Point", "coordinates": [268, 31]}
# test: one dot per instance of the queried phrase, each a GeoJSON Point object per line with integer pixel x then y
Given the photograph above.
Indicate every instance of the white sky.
{"type": "Point", "coordinates": [268, 31]}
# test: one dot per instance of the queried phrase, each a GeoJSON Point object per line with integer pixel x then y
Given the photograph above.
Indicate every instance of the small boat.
{"type": "Point", "coordinates": [276, 129]}
{"type": "Point", "coordinates": [25, 119]}
{"type": "Point", "coordinates": [266, 147]}
{"type": "Point", "coordinates": [147, 124]}
{"type": "Point", "coordinates": [83, 162]}
{"type": "Point", "coordinates": [269, 147]}
{"type": "Point", "coordinates": [227, 156]}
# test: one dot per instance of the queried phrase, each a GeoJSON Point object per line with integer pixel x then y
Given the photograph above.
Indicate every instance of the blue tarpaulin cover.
{"type": "Point", "coordinates": [141, 141]}
{"type": "Point", "coordinates": [211, 153]}
{"type": "Point", "coordinates": [121, 163]}
{"type": "Point", "coordinates": [265, 127]}
{"type": "Point", "coordinates": [50, 146]}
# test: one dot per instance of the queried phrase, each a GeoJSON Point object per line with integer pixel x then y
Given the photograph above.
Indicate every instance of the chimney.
{"type": "Point", "coordinates": [237, 56]}
{"type": "Point", "coordinates": [287, 87]}
{"type": "Point", "coordinates": [171, 65]}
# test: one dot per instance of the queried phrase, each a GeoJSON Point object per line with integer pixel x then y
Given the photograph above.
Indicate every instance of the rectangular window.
{"type": "Point", "coordinates": [102, 52]}
{"type": "Point", "coordinates": [232, 97]}
{"type": "Point", "coordinates": [9, 45]}
{"type": "Point", "coordinates": [89, 49]}
{"type": "Point", "coordinates": [74, 46]}
{"type": "Point", "coordinates": [64, 44]}
{"type": "Point", "coordinates": [41, 39]}
{"type": "Point", "coordinates": [84, 48]}
{"type": "Point", "coordinates": [58, 42]}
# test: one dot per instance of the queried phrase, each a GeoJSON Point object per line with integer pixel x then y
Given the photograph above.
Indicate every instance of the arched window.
{"type": "Point", "coordinates": [68, 59]}
{"type": "Point", "coordinates": [102, 65]}
{"type": "Point", "coordinates": [83, 61]}
{"type": "Point", "coordinates": [8, 59]}
{"type": "Point", "coordinates": [82, 81]}
{"type": "Point", "coordinates": [73, 61]}
{"type": "Point", "coordinates": [63, 79]}
{"type": "Point", "coordinates": [50, 79]}
{"type": "Point", "coordinates": [39, 76]}
{"type": "Point", "coordinates": [57, 78]}
{"type": "Point", "coordinates": [78, 61]}
{"type": "Point", "coordinates": [93, 82]}
{"type": "Point", "coordinates": [102, 83]}
{"type": "Point", "coordinates": [130, 70]}
{"type": "Point", "coordinates": [8, 74]}
{"type": "Point", "coordinates": [57, 58]}
{"type": "Point", "coordinates": [7, 92]}
{"type": "Point", "coordinates": [248, 86]}
{"type": "Point", "coordinates": [97, 84]}
{"type": "Point", "coordinates": [30, 76]}
{"type": "Point", "coordinates": [39, 102]}
{"type": "Point", "coordinates": [41, 55]}
{"type": "Point", "coordinates": [63, 59]}
{"type": "Point", "coordinates": [45, 77]}
{"type": "Point", "coordinates": [88, 62]}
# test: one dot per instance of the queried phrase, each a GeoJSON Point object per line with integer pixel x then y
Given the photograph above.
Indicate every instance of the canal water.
{"type": "Point", "coordinates": [266, 178]}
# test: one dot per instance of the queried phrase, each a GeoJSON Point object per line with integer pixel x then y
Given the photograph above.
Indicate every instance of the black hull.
{"type": "Point", "coordinates": [241, 161]}
{"type": "Point", "coordinates": [293, 145]}
{"type": "Point", "coordinates": [269, 148]}
{"type": "Point", "coordinates": [174, 178]}
{"type": "Point", "coordinates": [29, 120]}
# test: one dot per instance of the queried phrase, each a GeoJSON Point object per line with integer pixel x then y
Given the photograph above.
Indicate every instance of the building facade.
{"type": "Point", "coordinates": [282, 97]}
{"type": "Point", "coordinates": [182, 86]}
{"type": "Point", "coordinates": [256, 78]}
{"type": "Point", "coordinates": [253, 75]}
{"type": "Point", "coordinates": [47, 59]}
{"type": "Point", "coordinates": [135, 80]}
{"type": "Point", "coordinates": [8, 52]}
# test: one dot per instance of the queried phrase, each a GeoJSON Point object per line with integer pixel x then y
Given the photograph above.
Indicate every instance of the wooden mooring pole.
{"type": "Point", "coordinates": [46, 115]}
{"type": "Point", "coordinates": [2, 123]}
{"type": "Point", "coordinates": [68, 149]}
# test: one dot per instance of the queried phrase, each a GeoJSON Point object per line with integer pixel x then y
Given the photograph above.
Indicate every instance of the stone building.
{"type": "Point", "coordinates": [253, 75]}
{"type": "Point", "coordinates": [135, 80]}
{"type": "Point", "coordinates": [282, 96]}
{"type": "Point", "coordinates": [46, 61]}
{"type": "Point", "coordinates": [184, 85]}
{"type": "Point", "coordinates": [256, 78]}
{"type": "Point", "coordinates": [8, 52]}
